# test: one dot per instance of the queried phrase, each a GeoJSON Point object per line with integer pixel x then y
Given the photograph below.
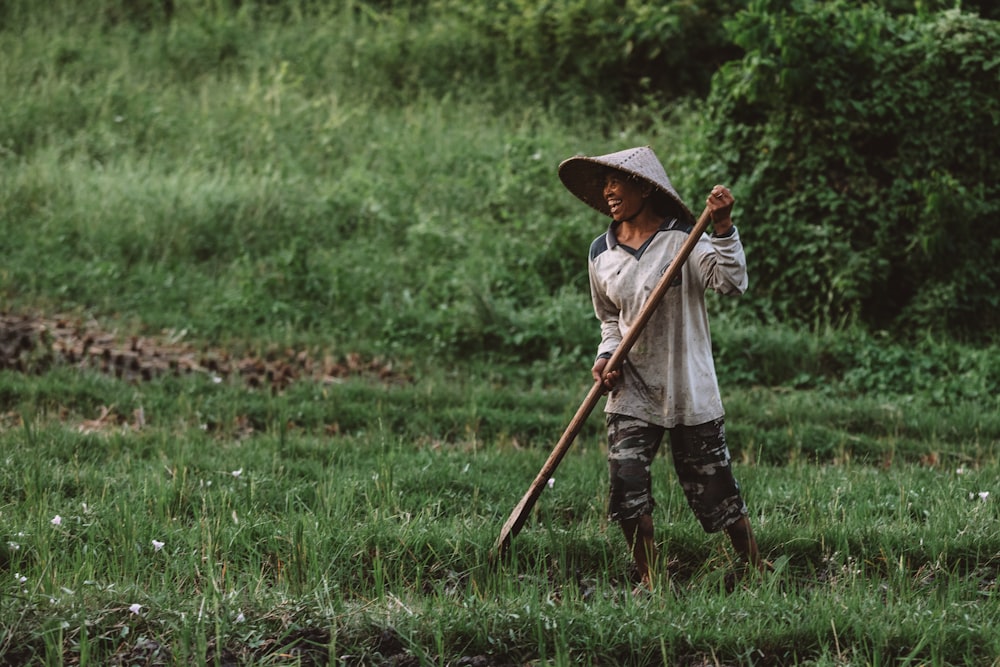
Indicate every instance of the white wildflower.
{"type": "Point", "coordinates": [157, 545]}
{"type": "Point", "coordinates": [984, 495]}
{"type": "Point", "coordinates": [237, 473]}
{"type": "Point", "coordinates": [56, 520]}
{"type": "Point", "coordinates": [240, 618]}
{"type": "Point", "coordinates": [135, 608]}
{"type": "Point", "coordinates": [20, 578]}
{"type": "Point", "coordinates": [551, 482]}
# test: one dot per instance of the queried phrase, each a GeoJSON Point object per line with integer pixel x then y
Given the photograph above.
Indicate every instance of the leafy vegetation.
{"type": "Point", "coordinates": [862, 143]}
{"type": "Point", "coordinates": [377, 178]}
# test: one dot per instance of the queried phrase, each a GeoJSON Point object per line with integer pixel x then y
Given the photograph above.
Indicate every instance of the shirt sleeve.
{"type": "Point", "coordinates": [721, 263]}
{"type": "Point", "coordinates": [608, 313]}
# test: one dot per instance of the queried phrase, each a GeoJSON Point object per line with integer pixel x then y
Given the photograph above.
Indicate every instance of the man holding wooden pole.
{"type": "Point", "coordinates": [666, 384]}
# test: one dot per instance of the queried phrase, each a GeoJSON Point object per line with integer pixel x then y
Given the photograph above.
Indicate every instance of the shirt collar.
{"type": "Point", "coordinates": [665, 226]}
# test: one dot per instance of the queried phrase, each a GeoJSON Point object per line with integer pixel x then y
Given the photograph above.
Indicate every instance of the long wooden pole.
{"type": "Point", "coordinates": [520, 513]}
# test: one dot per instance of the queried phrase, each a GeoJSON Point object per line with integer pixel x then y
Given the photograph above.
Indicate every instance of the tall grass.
{"type": "Point", "coordinates": [267, 195]}
{"type": "Point", "coordinates": [375, 543]}
{"type": "Point", "coordinates": [320, 539]}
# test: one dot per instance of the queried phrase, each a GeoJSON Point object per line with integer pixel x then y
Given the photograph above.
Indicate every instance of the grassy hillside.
{"type": "Point", "coordinates": [246, 182]}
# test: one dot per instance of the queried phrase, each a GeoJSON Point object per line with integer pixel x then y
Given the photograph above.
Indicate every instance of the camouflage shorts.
{"type": "Point", "coordinates": [701, 460]}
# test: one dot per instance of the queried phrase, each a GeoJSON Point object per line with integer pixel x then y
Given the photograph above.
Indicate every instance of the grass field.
{"type": "Point", "coordinates": [363, 310]}
{"type": "Point", "coordinates": [228, 525]}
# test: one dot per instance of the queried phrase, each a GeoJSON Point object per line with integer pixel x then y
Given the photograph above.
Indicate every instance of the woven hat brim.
{"type": "Point", "coordinates": [584, 177]}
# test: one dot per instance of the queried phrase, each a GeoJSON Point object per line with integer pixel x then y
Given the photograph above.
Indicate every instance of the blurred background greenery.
{"type": "Point", "coordinates": [379, 176]}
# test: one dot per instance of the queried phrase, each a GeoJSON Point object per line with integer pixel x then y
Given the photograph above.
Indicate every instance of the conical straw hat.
{"type": "Point", "coordinates": [584, 177]}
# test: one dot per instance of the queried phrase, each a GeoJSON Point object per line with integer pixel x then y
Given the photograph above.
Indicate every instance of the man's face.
{"type": "Point", "coordinates": [624, 195]}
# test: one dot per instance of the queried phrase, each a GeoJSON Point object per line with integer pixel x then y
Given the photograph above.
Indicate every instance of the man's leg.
{"type": "Point", "coordinates": [639, 537]}
{"type": "Point", "coordinates": [702, 462]}
{"type": "Point", "coordinates": [741, 535]}
{"type": "Point", "coordinates": [632, 446]}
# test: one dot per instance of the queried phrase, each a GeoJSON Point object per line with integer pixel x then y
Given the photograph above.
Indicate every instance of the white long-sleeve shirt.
{"type": "Point", "coordinates": [669, 376]}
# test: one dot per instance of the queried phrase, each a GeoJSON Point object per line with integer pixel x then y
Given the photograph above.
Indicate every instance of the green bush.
{"type": "Point", "coordinates": [612, 50]}
{"type": "Point", "coordinates": [864, 145]}
{"type": "Point", "coordinates": [854, 362]}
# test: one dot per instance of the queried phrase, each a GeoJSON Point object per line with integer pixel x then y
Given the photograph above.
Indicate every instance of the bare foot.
{"type": "Point", "coordinates": [645, 587]}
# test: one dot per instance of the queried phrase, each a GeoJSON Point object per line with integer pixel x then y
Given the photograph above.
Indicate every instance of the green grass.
{"type": "Point", "coordinates": [252, 185]}
{"type": "Point", "coordinates": [376, 542]}
{"type": "Point", "coordinates": [269, 196]}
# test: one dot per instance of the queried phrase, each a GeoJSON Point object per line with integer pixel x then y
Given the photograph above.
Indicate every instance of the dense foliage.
{"type": "Point", "coordinates": [863, 146]}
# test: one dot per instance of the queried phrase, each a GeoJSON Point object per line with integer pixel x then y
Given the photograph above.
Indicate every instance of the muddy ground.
{"type": "Point", "coordinates": [34, 344]}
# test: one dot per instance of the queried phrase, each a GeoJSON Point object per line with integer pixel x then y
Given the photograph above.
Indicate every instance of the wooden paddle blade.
{"type": "Point", "coordinates": [520, 513]}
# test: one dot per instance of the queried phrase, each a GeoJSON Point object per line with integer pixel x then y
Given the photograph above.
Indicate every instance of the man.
{"type": "Point", "coordinates": [667, 384]}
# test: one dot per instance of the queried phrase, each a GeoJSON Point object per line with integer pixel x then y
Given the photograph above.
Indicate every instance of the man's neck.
{"type": "Point", "coordinates": [637, 230]}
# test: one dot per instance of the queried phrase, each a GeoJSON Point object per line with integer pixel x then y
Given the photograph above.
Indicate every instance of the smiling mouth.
{"type": "Point", "coordinates": [614, 204]}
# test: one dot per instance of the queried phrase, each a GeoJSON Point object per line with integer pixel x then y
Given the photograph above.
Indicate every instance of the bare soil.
{"type": "Point", "coordinates": [34, 344]}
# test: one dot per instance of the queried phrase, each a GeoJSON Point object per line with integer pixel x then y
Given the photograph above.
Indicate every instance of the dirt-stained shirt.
{"type": "Point", "coordinates": [668, 377]}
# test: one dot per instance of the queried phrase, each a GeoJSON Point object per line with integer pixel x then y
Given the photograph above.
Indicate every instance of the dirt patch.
{"type": "Point", "coordinates": [34, 344]}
